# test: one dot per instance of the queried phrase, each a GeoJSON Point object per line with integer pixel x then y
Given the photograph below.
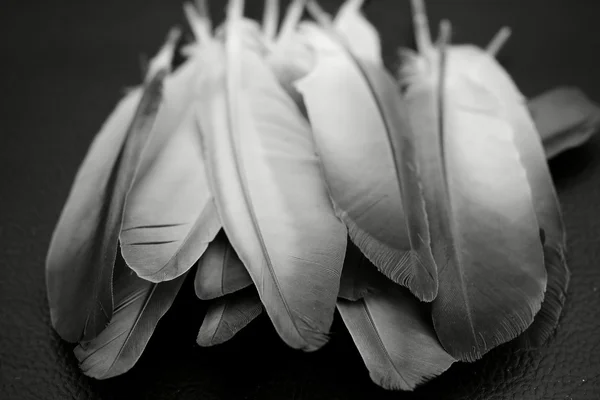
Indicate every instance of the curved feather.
{"type": "Point", "coordinates": [270, 194]}
{"type": "Point", "coordinates": [565, 118]}
{"type": "Point", "coordinates": [360, 131]}
{"type": "Point", "coordinates": [220, 270]}
{"type": "Point", "coordinates": [484, 231]}
{"type": "Point", "coordinates": [139, 305]}
{"type": "Point", "coordinates": [83, 247]}
{"type": "Point", "coordinates": [486, 71]}
{"type": "Point", "coordinates": [361, 36]}
{"type": "Point", "coordinates": [395, 338]}
{"type": "Point", "coordinates": [228, 315]}
{"type": "Point", "coordinates": [170, 217]}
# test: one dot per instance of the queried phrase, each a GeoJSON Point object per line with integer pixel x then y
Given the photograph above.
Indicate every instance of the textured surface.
{"type": "Point", "coordinates": [63, 66]}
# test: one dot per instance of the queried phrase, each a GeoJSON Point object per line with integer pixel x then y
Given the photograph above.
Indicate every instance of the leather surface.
{"type": "Point", "coordinates": [64, 64]}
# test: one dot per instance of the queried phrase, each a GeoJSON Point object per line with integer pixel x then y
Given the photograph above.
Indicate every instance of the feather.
{"type": "Point", "coordinates": [170, 217]}
{"type": "Point", "coordinates": [480, 67]}
{"type": "Point", "coordinates": [395, 338]}
{"type": "Point", "coordinates": [139, 305]}
{"type": "Point", "coordinates": [360, 131]}
{"type": "Point", "coordinates": [498, 41]}
{"type": "Point", "coordinates": [220, 270]}
{"type": "Point", "coordinates": [565, 118]}
{"type": "Point", "coordinates": [360, 35]}
{"type": "Point", "coordinates": [83, 247]}
{"type": "Point", "coordinates": [484, 232]}
{"type": "Point", "coordinates": [270, 195]}
{"type": "Point", "coordinates": [228, 315]}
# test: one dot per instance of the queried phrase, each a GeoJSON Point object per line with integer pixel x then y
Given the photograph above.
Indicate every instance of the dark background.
{"type": "Point", "coordinates": [63, 66]}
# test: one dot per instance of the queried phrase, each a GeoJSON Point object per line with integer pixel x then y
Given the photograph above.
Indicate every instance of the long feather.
{"type": "Point", "coordinates": [170, 217]}
{"type": "Point", "coordinates": [484, 231]}
{"type": "Point", "coordinates": [83, 247]}
{"type": "Point", "coordinates": [220, 271]}
{"type": "Point", "coordinates": [227, 315]}
{"type": "Point", "coordinates": [139, 305]}
{"type": "Point", "coordinates": [565, 118]}
{"type": "Point", "coordinates": [478, 66]}
{"type": "Point", "coordinates": [395, 338]}
{"type": "Point", "coordinates": [362, 139]}
{"type": "Point", "coordinates": [270, 194]}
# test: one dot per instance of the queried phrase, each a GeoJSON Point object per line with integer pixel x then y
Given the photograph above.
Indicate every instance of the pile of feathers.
{"type": "Point", "coordinates": [288, 171]}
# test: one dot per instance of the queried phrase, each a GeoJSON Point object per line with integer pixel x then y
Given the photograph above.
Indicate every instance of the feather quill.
{"type": "Point", "coordinates": [270, 195]}
{"type": "Point", "coordinates": [83, 247]}
{"type": "Point", "coordinates": [361, 133]}
{"type": "Point", "coordinates": [484, 231]}
{"type": "Point", "coordinates": [139, 305]}
{"type": "Point", "coordinates": [270, 20]}
{"type": "Point", "coordinates": [198, 17]}
{"type": "Point", "coordinates": [395, 338]}
{"type": "Point", "coordinates": [565, 118]}
{"type": "Point", "coordinates": [228, 315]}
{"type": "Point", "coordinates": [220, 271]}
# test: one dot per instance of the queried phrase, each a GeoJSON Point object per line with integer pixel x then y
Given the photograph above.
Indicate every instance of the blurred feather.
{"type": "Point", "coordinates": [270, 20]}
{"type": "Point", "coordinates": [362, 37]}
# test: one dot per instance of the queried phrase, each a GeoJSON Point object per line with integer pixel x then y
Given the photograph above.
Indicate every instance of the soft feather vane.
{"type": "Point", "coordinates": [285, 169]}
